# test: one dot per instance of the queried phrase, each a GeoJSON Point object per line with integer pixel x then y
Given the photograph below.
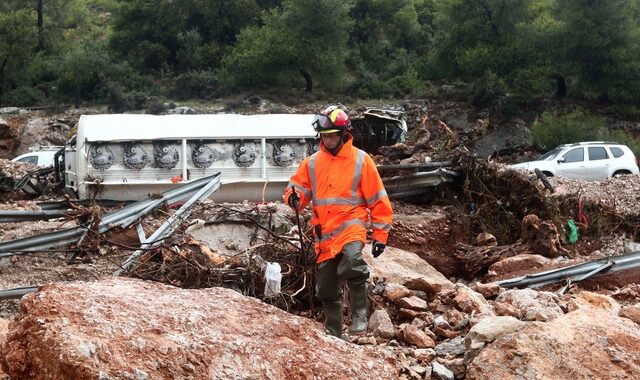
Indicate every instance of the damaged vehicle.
{"type": "Point", "coordinates": [39, 156]}
{"type": "Point", "coordinates": [126, 157]}
{"type": "Point", "coordinates": [48, 159]}
{"type": "Point", "coordinates": [378, 127]}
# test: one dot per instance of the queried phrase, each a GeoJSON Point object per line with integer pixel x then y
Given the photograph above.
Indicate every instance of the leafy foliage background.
{"type": "Point", "coordinates": [503, 52]}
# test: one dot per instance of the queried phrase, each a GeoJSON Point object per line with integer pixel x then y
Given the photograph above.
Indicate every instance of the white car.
{"type": "Point", "coordinates": [40, 158]}
{"type": "Point", "coordinates": [593, 160]}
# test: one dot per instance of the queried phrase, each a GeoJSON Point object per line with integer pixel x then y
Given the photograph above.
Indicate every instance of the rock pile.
{"type": "Point", "coordinates": [10, 173]}
{"type": "Point", "coordinates": [619, 194]}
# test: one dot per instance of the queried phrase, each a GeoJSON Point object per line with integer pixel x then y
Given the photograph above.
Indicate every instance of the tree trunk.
{"type": "Point", "coordinates": [40, 25]}
{"type": "Point", "coordinates": [76, 96]}
{"type": "Point", "coordinates": [561, 86]}
{"type": "Point", "coordinates": [308, 80]}
{"type": "Point", "coordinates": [2, 66]}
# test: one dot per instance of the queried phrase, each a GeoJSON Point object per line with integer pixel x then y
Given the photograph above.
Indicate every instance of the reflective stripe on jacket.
{"type": "Point", "coordinates": [344, 190]}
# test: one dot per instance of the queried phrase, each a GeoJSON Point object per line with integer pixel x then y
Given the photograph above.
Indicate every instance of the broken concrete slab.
{"type": "Point", "coordinates": [119, 328]}
{"type": "Point", "coordinates": [235, 232]}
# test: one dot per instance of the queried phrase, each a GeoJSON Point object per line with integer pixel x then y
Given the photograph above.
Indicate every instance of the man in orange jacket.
{"type": "Point", "coordinates": [346, 191]}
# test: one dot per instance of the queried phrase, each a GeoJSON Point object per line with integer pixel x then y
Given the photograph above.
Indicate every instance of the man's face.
{"type": "Point", "coordinates": [330, 140]}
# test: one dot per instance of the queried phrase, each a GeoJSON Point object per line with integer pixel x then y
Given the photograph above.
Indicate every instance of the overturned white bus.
{"type": "Point", "coordinates": [126, 157]}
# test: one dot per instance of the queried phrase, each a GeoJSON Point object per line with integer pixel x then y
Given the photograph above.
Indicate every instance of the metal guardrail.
{"type": "Point", "coordinates": [14, 293]}
{"type": "Point", "coordinates": [15, 216]}
{"type": "Point", "coordinates": [575, 273]}
{"type": "Point", "coordinates": [171, 224]}
{"type": "Point", "coordinates": [418, 167]}
{"type": "Point", "coordinates": [121, 217]}
{"type": "Point", "coordinates": [414, 184]}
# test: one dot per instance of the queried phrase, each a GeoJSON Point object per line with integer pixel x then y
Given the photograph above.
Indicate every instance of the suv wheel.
{"type": "Point", "coordinates": [621, 172]}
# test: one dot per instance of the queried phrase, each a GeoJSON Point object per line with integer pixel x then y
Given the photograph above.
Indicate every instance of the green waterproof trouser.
{"type": "Point", "coordinates": [347, 266]}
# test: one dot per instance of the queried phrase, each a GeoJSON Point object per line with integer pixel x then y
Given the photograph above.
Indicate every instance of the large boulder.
{"type": "Point", "coordinates": [588, 343]}
{"type": "Point", "coordinates": [132, 329]}
{"type": "Point", "coordinates": [631, 312]}
{"type": "Point", "coordinates": [511, 137]}
{"type": "Point", "coordinates": [405, 268]}
{"type": "Point", "coordinates": [42, 132]}
{"type": "Point", "coordinates": [471, 301]}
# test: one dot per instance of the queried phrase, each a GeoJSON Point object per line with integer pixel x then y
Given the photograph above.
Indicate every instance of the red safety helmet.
{"type": "Point", "coordinates": [331, 120]}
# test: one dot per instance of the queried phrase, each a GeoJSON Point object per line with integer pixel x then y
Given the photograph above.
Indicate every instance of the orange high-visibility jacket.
{"type": "Point", "coordinates": [345, 190]}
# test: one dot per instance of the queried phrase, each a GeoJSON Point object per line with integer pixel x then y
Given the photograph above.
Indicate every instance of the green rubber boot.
{"type": "Point", "coordinates": [358, 302]}
{"type": "Point", "coordinates": [333, 318]}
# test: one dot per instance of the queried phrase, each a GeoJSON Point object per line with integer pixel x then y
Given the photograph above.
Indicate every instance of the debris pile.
{"type": "Point", "coordinates": [615, 196]}
{"type": "Point", "coordinates": [537, 238]}
{"type": "Point", "coordinates": [10, 173]}
{"type": "Point", "coordinates": [250, 237]}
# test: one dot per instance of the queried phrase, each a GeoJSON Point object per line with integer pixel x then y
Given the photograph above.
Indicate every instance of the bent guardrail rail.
{"type": "Point", "coordinates": [575, 273]}
{"type": "Point", "coordinates": [119, 218]}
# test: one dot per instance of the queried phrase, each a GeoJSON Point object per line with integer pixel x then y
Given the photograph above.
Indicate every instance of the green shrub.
{"type": "Point", "coordinates": [155, 106]}
{"type": "Point", "coordinates": [626, 111]}
{"type": "Point", "coordinates": [404, 84]}
{"type": "Point", "coordinates": [23, 96]}
{"type": "Point", "coordinates": [368, 85]}
{"type": "Point", "coordinates": [487, 90]}
{"type": "Point", "coordinates": [625, 138]}
{"type": "Point", "coordinates": [202, 84]}
{"type": "Point", "coordinates": [531, 83]}
{"type": "Point", "coordinates": [120, 99]}
{"type": "Point", "coordinates": [552, 130]}
{"type": "Point", "coordinates": [510, 106]}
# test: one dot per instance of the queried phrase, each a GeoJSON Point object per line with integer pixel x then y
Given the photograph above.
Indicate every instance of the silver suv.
{"type": "Point", "coordinates": [593, 160]}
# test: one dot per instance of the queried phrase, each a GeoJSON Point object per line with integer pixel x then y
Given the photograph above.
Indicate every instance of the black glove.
{"type": "Point", "coordinates": [294, 199]}
{"type": "Point", "coordinates": [377, 248]}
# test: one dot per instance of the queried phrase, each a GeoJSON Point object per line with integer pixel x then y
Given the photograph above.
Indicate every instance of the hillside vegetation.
{"type": "Point", "coordinates": [500, 53]}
